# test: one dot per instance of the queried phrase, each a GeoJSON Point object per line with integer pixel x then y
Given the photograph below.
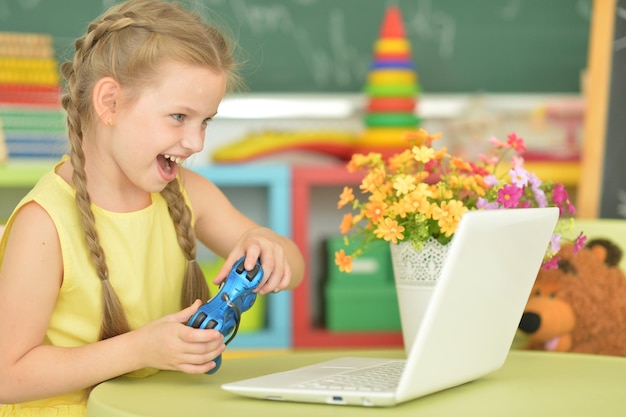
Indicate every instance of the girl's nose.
{"type": "Point", "coordinates": [194, 141]}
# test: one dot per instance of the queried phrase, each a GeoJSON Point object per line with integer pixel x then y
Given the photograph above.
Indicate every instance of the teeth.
{"type": "Point", "coordinates": [178, 160]}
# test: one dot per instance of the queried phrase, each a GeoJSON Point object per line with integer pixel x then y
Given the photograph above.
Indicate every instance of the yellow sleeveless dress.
{"type": "Point", "coordinates": [146, 267]}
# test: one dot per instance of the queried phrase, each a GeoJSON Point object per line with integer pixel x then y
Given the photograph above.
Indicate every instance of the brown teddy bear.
{"type": "Point", "coordinates": [581, 305]}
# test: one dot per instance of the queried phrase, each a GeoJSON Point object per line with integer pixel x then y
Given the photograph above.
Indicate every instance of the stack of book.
{"type": "Point", "coordinates": [32, 121]}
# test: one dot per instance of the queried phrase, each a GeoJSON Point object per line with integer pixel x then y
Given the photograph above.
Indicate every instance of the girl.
{"type": "Point", "coordinates": [97, 264]}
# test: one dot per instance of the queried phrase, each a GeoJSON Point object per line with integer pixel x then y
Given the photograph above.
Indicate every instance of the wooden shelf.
{"type": "Point", "coordinates": [275, 183]}
{"type": "Point", "coordinates": [307, 331]}
{"type": "Point", "coordinates": [25, 174]}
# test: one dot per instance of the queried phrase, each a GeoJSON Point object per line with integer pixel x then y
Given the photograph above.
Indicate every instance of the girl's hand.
{"type": "Point", "coordinates": [169, 344]}
{"type": "Point", "coordinates": [260, 243]}
{"type": "Point", "coordinates": [230, 234]}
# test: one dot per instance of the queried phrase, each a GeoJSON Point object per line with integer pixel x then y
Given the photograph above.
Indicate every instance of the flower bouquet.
{"type": "Point", "coordinates": [422, 192]}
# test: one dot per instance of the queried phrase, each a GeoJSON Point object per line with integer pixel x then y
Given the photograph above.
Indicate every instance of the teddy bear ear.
{"type": "Point", "coordinates": [607, 251]}
{"type": "Point", "coordinates": [599, 251]}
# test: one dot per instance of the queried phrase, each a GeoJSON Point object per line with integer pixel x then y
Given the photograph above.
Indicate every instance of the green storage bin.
{"type": "Point", "coordinates": [364, 299]}
{"type": "Point", "coordinates": [372, 267]}
{"type": "Point", "coordinates": [361, 307]}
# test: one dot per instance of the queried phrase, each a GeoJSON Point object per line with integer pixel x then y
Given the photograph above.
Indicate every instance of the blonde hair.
{"type": "Point", "coordinates": [127, 43]}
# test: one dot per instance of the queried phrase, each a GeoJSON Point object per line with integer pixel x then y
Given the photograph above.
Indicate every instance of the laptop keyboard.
{"type": "Point", "coordinates": [384, 377]}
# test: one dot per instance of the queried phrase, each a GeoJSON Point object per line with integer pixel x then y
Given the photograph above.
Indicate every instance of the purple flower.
{"type": "Point", "coordinates": [534, 180]}
{"type": "Point", "coordinates": [491, 180]}
{"type": "Point", "coordinates": [519, 176]}
{"type": "Point", "coordinates": [483, 203]}
{"type": "Point", "coordinates": [540, 197]}
{"type": "Point", "coordinates": [555, 242]}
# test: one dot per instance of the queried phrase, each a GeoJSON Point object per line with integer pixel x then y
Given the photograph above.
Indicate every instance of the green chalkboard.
{"type": "Point", "coordinates": [326, 45]}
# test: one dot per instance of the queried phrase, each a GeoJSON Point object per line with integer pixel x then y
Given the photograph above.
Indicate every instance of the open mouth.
{"type": "Point", "coordinates": [168, 165]}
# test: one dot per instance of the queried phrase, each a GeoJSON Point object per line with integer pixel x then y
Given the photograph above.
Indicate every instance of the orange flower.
{"type": "Point", "coordinates": [373, 180]}
{"type": "Point", "coordinates": [346, 197]}
{"type": "Point", "coordinates": [422, 192]}
{"type": "Point", "coordinates": [389, 230]}
{"type": "Point", "coordinates": [357, 161]}
{"type": "Point", "coordinates": [343, 261]}
{"type": "Point", "coordinates": [461, 165]}
{"type": "Point", "coordinates": [346, 223]}
{"type": "Point", "coordinates": [399, 161]}
{"type": "Point", "coordinates": [448, 215]}
{"type": "Point", "coordinates": [374, 210]}
{"type": "Point", "coordinates": [441, 154]}
{"type": "Point", "coordinates": [421, 137]}
{"type": "Point", "coordinates": [414, 202]}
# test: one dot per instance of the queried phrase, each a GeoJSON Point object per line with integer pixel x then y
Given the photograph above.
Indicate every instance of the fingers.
{"type": "Point", "coordinates": [277, 277]}
{"type": "Point", "coordinates": [272, 259]}
{"type": "Point", "coordinates": [210, 348]}
{"type": "Point", "coordinates": [253, 253]}
{"type": "Point", "coordinates": [200, 362]}
{"type": "Point", "coordinates": [198, 341]}
{"type": "Point", "coordinates": [264, 245]}
{"type": "Point", "coordinates": [170, 344]}
{"type": "Point", "coordinates": [199, 349]}
{"type": "Point", "coordinates": [197, 369]}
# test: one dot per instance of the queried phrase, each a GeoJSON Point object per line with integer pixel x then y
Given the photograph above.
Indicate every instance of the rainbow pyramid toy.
{"type": "Point", "coordinates": [392, 89]}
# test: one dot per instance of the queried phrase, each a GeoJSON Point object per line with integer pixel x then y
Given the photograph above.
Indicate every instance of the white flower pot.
{"type": "Point", "coordinates": [416, 272]}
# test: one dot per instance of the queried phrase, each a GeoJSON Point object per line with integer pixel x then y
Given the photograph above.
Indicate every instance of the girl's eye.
{"type": "Point", "coordinates": [179, 117]}
{"type": "Point", "coordinates": [205, 122]}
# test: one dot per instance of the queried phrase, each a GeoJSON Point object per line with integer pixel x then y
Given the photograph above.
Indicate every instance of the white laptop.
{"type": "Point", "coordinates": [467, 329]}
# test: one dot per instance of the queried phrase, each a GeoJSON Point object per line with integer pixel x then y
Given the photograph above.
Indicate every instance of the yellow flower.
{"type": "Point", "coordinates": [477, 185]}
{"type": "Point", "coordinates": [389, 230]}
{"type": "Point", "coordinates": [381, 193]}
{"type": "Point", "coordinates": [414, 202]}
{"type": "Point", "coordinates": [423, 191]}
{"type": "Point", "coordinates": [346, 197]}
{"type": "Point", "coordinates": [403, 184]}
{"type": "Point", "coordinates": [423, 153]}
{"type": "Point", "coordinates": [448, 215]}
{"type": "Point", "coordinates": [455, 181]}
{"type": "Point", "coordinates": [442, 192]}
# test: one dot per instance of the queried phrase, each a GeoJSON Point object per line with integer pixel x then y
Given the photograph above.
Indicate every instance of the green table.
{"type": "Point", "coordinates": [529, 384]}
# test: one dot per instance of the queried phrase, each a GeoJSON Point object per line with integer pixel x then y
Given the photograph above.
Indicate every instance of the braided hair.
{"type": "Point", "coordinates": [127, 43]}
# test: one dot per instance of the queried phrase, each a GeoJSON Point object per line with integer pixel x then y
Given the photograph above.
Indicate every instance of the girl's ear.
{"type": "Point", "coordinates": [105, 92]}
